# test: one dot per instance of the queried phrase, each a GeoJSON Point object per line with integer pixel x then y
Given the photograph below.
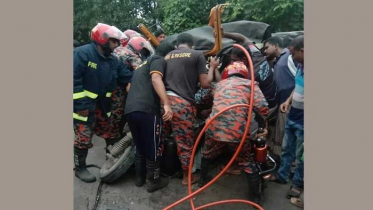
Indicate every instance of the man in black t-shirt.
{"type": "Point", "coordinates": [185, 68]}
{"type": "Point", "coordinates": [143, 112]}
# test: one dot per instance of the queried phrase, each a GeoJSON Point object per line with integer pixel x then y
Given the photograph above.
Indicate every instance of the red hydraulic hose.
{"type": "Point", "coordinates": [192, 194]}
{"type": "Point", "coordinates": [229, 201]}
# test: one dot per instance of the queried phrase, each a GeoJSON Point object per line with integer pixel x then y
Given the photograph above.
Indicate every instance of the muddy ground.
{"type": "Point", "coordinates": [124, 195]}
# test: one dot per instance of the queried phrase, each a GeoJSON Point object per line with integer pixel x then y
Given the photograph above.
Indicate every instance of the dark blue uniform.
{"type": "Point", "coordinates": [95, 77]}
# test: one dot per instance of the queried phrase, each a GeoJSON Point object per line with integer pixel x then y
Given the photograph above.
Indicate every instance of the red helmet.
{"type": "Point", "coordinates": [124, 42]}
{"type": "Point", "coordinates": [236, 67]}
{"type": "Point", "coordinates": [124, 37]}
{"type": "Point", "coordinates": [101, 33]}
{"type": "Point", "coordinates": [130, 34]}
{"type": "Point", "coordinates": [138, 43]}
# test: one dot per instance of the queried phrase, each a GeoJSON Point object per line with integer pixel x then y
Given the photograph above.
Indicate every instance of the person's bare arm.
{"type": "Point", "coordinates": [237, 37]}
{"type": "Point", "coordinates": [161, 91]}
{"type": "Point", "coordinates": [206, 79]}
{"type": "Point", "coordinates": [291, 96]}
{"type": "Point", "coordinates": [157, 69]}
{"type": "Point", "coordinates": [160, 88]}
{"type": "Point", "coordinates": [217, 75]}
{"type": "Point", "coordinates": [261, 104]}
{"type": "Point", "coordinates": [128, 87]}
{"type": "Point", "coordinates": [284, 107]}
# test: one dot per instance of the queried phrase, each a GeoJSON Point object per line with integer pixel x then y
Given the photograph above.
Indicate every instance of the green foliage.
{"type": "Point", "coordinates": [124, 14]}
{"type": "Point", "coordinates": [282, 15]}
{"type": "Point", "coordinates": [181, 15]}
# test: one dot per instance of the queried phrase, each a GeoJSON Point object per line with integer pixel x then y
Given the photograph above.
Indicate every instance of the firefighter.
{"type": "Point", "coordinates": [130, 34]}
{"type": "Point", "coordinates": [135, 51]}
{"type": "Point", "coordinates": [226, 131]}
{"type": "Point", "coordinates": [263, 72]}
{"type": "Point", "coordinates": [185, 68]}
{"type": "Point", "coordinates": [96, 74]}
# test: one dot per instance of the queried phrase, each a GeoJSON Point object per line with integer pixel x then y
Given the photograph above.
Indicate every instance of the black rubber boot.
{"type": "Point", "coordinates": [81, 171]}
{"type": "Point", "coordinates": [204, 176]}
{"type": "Point", "coordinates": [255, 186]}
{"type": "Point", "coordinates": [155, 182]}
{"type": "Point", "coordinates": [140, 167]}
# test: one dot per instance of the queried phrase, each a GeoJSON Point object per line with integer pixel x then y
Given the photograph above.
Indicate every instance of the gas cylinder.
{"type": "Point", "coordinates": [260, 149]}
{"type": "Point", "coordinates": [170, 163]}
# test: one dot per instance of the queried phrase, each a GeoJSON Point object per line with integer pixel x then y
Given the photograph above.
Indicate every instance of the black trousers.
{"type": "Point", "coordinates": [146, 131]}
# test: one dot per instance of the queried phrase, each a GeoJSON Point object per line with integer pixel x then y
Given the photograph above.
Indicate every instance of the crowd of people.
{"type": "Point", "coordinates": [163, 91]}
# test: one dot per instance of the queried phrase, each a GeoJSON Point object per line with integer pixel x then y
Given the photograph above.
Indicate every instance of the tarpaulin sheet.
{"type": "Point", "coordinates": [291, 34]}
{"type": "Point", "coordinates": [204, 39]}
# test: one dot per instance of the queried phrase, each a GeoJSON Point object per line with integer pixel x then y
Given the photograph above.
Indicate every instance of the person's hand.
{"type": "Point", "coordinates": [263, 134]}
{"type": "Point", "coordinates": [284, 107]}
{"type": "Point", "coordinates": [214, 62]}
{"type": "Point", "coordinates": [167, 116]}
{"type": "Point", "coordinates": [83, 113]}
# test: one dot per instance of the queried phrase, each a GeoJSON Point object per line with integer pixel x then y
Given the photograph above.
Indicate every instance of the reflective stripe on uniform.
{"type": "Point", "coordinates": [84, 94]}
{"type": "Point", "coordinates": [79, 95]}
{"type": "Point", "coordinates": [108, 94]}
{"type": "Point", "coordinates": [90, 94]}
{"type": "Point", "coordinates": [78, 117]}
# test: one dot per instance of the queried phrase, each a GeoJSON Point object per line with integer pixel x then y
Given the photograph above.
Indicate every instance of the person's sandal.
{"type": "Point", "coordinates": [292, 194]}
{"type": "Point", "coordinates": [297, 202]}
{"type": "Point", "coordinates": [195, 179]}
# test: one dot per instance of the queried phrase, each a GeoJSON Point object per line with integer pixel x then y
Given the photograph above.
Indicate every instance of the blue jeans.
{"type": "Point", "coordinates": [292, 149]}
